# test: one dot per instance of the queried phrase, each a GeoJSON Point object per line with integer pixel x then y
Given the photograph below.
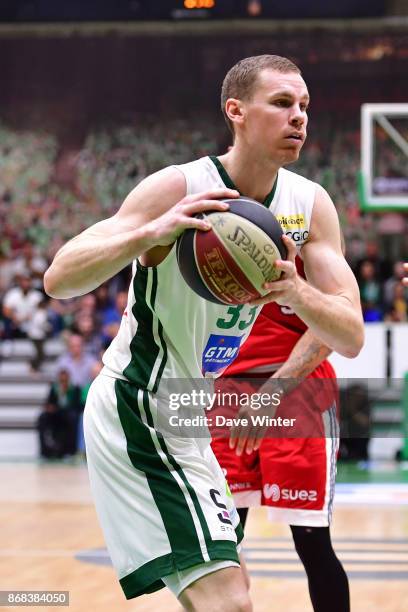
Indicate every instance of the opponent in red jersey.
{"type": "Point", "coordinates": [293, 476]}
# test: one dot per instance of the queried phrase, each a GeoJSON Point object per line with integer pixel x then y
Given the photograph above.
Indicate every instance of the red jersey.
{"type": "Point", "coordinates": [272, 338]}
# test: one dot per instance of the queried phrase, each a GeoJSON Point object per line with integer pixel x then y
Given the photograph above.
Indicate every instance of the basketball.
{"type": "Point", "coordinates": [229, 263]}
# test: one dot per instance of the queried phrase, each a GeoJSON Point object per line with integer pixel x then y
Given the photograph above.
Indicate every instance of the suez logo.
{"type": "Point", "coordinates": [294, 227]}
{"type": "Point", "coordinates": [275, 493]}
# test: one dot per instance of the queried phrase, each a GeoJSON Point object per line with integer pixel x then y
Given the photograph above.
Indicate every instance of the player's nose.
{"type": "Point", "coordinates": [298, 116]}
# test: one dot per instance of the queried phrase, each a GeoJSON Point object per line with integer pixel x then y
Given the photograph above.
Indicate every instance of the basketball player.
{"type": "Point", "coordinates": [281, 347]}
{"type": "Point", "coordinates": [162, 502]}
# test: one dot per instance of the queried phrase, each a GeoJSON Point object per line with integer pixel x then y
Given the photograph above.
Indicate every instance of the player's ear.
{"type": "Point", "coordinates": [234, 110]}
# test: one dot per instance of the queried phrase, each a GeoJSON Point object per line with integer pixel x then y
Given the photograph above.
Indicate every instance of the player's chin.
{"type": "Point", "coordinates": [290, 155]}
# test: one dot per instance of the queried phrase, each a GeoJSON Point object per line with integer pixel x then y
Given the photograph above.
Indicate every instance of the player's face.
{"type": "Point", "coordinates": [275, 118]}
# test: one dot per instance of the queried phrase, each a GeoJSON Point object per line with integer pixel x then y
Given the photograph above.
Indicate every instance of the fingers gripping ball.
{"type": "Point", "coordinates": [230, 263]}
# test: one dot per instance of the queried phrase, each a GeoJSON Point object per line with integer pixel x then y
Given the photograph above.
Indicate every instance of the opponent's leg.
{"type": "Point", "coordinates": [328, 582]}
{"type": "Point", "coordinates": [243, 515]}
{"type": "Point", "coordinates": [224, 590]}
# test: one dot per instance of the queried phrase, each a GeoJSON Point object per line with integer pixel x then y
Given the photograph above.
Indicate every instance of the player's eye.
{"type": "Point", "coordinates": [282, 103]}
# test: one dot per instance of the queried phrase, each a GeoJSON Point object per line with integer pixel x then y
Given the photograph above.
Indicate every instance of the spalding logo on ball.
{"type": "Point", "coordinates": [230, 263]}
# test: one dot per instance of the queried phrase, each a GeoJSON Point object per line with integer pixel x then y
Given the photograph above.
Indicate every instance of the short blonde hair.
{"type": "Point", "coordinates": [240, 79]}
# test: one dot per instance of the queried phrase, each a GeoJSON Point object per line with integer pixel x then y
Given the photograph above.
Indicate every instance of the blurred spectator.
{"type": "Point", "coordinates": [370, 291]}
{"type": "Point", "coordinates": [382, 268]}
{"type": "Point", "coordinates": [78, 364]}
{"type": "Point", "coordinates": [397, 312]}
{"type": "Point", "coordinates": [6, 271]}
{"type": "Point", "coordinates": [58, 423]}
{"type": "Point", "coordinates": [391, 283]}
{"type": "Point", "coordinates": [113, 316]}
{"type": "Point", "coordinates": [37, 330]}
{"type": "Point", "coordinates": [84, 309]}
{"type": "Point", "coordinates": [56, 312]}
{"type": "Point", "coordinates": [30, 263]}
{"type": "Point", "coordinates": [19, 303]}
{"type": "Point", "coordinates": [87, 304]}
{"type": "Point", "coordinates": [103, 299]}
{"type": "Point", "coordinates": [85, 326]}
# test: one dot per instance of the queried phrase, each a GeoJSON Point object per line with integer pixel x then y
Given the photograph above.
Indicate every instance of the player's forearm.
{"type": "Point", "coordinates": [332, 318]}
{"type": "Point", "coordinates": [87, 261]}
{"type": "Point", "coordinates": [306, 355]}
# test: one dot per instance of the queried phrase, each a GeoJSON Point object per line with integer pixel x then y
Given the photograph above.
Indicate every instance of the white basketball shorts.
{"type": "Point", "coordinates": [163, 504]}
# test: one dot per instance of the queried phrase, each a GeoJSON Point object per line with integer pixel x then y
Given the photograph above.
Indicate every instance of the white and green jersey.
{"type": "Point", "coordinates": [168, 331]}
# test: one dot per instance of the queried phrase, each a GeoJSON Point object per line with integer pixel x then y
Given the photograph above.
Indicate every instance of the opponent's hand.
{"type": "Point", "coordinates": [247, 436]}
{"type": "Point", "coordinates": [167, 228]}
{"type": "Point", "coordinates": [285, 290]}
{"type": "Point", "coordinates": [252, 425]}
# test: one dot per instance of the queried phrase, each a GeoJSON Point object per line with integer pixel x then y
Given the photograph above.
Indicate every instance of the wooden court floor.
{"type": "Point", "coordinates": [50, 539]}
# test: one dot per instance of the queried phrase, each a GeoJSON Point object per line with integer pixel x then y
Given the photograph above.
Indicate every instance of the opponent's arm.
{"type": "Point", "coordinates": [154, 214]}
{"type": "Point", "coordinates": [329, 303]}
{"type": "Point", "coordinates": [306, 355]}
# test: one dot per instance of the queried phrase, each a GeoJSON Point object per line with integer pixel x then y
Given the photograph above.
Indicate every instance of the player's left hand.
{"type": "Point", "coordinates": [285, 290]}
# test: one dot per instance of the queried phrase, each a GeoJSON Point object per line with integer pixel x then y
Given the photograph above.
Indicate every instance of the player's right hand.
{"type": "Point", "coordinates": [165, 230]}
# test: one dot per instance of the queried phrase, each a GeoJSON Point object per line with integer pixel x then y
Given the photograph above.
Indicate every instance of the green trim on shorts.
{"type": "Point", "coordinates": [179, 470]}
{"type": "Point", "coordinates": [167, 494]}
{"type": "Point", "coordinates": [148, 577]}
{"type": "Point", "coordinates": [239, 533]}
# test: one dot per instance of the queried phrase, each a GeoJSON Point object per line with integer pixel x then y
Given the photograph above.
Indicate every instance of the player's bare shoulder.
{"type": "Point", "coordinates": [299, 185]}
{"type": "Point", "coordinates": [152, 197]}
{"type": "Point", "coordinates": [324, 223]}
{"type": "Point", "coordinates": [300, 190]}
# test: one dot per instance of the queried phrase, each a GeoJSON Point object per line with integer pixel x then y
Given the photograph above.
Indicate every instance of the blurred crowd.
{"type": "Point", "coordinates": [48, 194]}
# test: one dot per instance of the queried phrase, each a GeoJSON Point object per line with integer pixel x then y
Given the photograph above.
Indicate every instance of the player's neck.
{"type": "Point", "coordinates": [252, 176]}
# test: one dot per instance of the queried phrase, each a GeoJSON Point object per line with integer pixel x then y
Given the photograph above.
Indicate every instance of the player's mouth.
{"type": "Point", "coordinates": [295, 136]}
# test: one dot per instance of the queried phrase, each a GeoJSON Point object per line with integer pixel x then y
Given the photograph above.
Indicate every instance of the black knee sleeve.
{"type": "Point", "coordinates": [328, 583]}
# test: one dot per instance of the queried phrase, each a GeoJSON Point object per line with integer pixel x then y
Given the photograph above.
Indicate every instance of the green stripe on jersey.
{"type": "Point", "coordinates": [148, 348]}
{"type": "Point", "coordinates": [160, 333]}
{"type": "Point", "coordinates": [226, 179]}
{"type": "Point", "coordinates": [143, 348]}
